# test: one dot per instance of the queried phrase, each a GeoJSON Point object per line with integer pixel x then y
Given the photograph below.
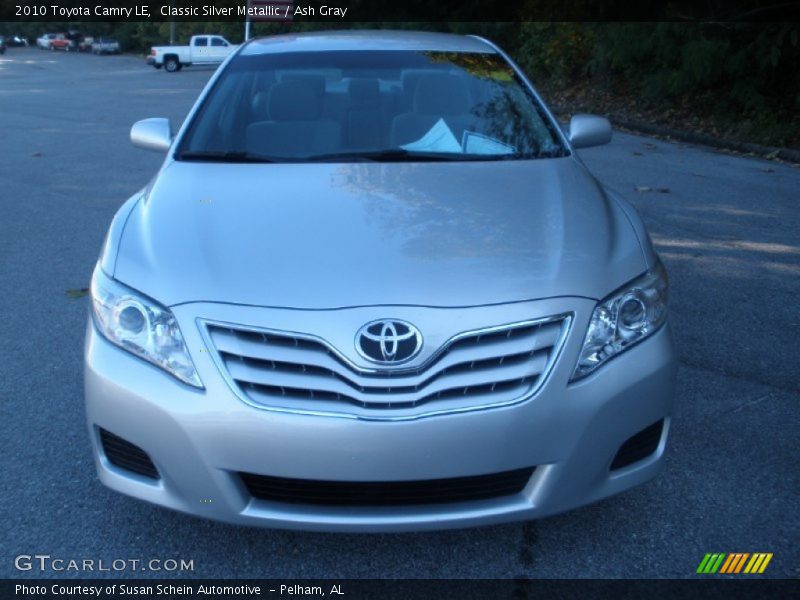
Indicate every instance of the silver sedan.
{"type": "Point", "coordinates": [373, 287]}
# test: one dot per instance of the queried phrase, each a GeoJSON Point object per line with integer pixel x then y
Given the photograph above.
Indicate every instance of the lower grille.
{"type": "Point", "coordinates": [639, 446]}
{"type": "Point", "coordinates": [121, 453]}
{"type": "Point", "coordinates": [386, 493]}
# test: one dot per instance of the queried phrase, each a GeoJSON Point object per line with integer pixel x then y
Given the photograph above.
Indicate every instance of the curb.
{"type": "Point", "coordinates": [702, 139]}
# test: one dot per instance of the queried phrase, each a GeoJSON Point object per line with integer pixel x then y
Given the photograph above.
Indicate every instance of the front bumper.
{"type": "Point", "coordinates": [199, 440]}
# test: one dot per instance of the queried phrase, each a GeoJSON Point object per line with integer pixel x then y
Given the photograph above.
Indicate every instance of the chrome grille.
{"type": "Point", "coordinates": [474, 369]}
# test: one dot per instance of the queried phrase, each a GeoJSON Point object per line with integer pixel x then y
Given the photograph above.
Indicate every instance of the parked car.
{"type": "Point", "coordinates": [45, 40]}
{"type": "Point", "coordinates": [373, 287]}
{"type": "Point", "coordinates": [105, 45]}
{"type": "Point", "coordinates": [85, 45]}
{"type": "Point", "coordinates": [16, 41]}
{"type": "Point", "coordinates": [76, 37]}
{"type": "Point", "coordinates": [61, 42]}
{"type": "Point", "coordinates": [202, 50]}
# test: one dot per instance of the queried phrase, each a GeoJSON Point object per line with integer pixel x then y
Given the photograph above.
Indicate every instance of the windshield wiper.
{"type": "Point", "coordinates": [390, 155]}
{"type": "Point", "coordinates": [399, 155]}
{"type": "Point", "coordinates": [231, 157]}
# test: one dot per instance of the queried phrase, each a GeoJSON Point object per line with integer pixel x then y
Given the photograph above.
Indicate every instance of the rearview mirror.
{"type": "Point", "coordinates": [152, 134]}
{"type": "Point", "coordinates": [586, 131]}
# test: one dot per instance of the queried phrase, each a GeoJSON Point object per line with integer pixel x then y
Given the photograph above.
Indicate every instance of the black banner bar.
{"type": "Point", "coordinates": [336, 11]}
{"type": "Point", "coordinates": [392, 589]}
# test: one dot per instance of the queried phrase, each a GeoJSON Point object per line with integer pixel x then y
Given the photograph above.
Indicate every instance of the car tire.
{"type": "Point", "coordinates": [172, 65]}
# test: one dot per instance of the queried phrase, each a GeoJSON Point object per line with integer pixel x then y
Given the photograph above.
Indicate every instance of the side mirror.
{"type": "Point", "coordinates": [152, 134]}
{"type": "Point", "coordinates": [586, 131]}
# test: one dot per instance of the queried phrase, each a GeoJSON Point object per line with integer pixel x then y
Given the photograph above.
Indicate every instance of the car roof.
{"type": "Point", "coordinates": [363, 39]}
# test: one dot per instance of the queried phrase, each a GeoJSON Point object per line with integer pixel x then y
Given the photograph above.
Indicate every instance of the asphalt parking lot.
{"type": "Point", "coordinates": [727, 227]}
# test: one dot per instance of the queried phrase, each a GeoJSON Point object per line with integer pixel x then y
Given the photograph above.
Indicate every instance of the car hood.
{"type": "Point", "coordinates": [328, 235]}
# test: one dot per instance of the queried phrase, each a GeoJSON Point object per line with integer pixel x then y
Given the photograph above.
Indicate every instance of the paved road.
{"type": "Point", "coordinates": [728, 229]}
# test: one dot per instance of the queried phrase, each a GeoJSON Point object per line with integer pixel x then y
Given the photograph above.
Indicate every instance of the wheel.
{"type": "Point", "coordinates": [66, 48]}
{"type": "Point", "coordinates": [52, 48]}
{"type": "Point", "coordinates": [171, 65]}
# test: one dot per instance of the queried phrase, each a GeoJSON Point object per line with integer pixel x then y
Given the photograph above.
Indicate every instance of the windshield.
{"type": "Point", "coordinates": [369, 105]}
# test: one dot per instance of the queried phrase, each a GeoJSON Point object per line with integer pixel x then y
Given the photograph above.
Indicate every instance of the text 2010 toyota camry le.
{"type": "Point", "coordinates": [372, 287]}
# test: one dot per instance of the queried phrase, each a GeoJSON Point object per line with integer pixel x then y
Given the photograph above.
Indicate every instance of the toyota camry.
{"type": "Point", "coordinates": [373, 287]}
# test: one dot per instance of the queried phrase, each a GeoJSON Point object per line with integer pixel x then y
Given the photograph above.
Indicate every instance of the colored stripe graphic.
{"type": "Point", "coordinates": [755, 561]}
{"type": "Point", "coordinates": [710, 563]}
{"type": "Point", "coordinates": [728, 562]}
{"type": "Point", "coordinates": [734, 563]}
{"type": "Point", "coordinates": [703, 563]}
{"type": "Point", "coordinates": [766, 562]}
{"type": "Point", "coordinates": [716, 565]}
{"type": "Point", "coordinates": [741, 562]}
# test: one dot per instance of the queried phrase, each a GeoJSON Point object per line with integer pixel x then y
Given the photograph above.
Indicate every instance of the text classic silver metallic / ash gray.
{"type": "Point", "coordinates": [373, 288]}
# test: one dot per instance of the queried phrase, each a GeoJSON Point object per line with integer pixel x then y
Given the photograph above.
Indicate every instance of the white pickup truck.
{"type": "Point", "coordinates": [202, 50]}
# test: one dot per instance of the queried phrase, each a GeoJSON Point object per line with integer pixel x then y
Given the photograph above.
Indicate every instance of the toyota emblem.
{"type": "Point", "coordinates": [388, 341]}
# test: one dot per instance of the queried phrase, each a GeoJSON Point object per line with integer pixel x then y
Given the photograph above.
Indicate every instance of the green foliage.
{"type": "Point", "coordinates": [745, 73]}
{"type": "Point", "coordinates": [554, 50]}
{"type": "Point", "coordinates": [745, 67]}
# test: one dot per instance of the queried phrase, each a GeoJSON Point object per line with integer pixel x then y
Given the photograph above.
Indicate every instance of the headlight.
{"type": "Point", "coordinates": [625, 318]}
{"type": "Point", "coordinates": [140, 326]}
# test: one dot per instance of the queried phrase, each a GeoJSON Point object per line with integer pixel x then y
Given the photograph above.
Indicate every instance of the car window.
{"type": "Point", "coordinates": [218, 42]}
{"type": "Point", "coordinates": [201, 41]}
{"type": "Point", "coordinates": [371, 105]}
